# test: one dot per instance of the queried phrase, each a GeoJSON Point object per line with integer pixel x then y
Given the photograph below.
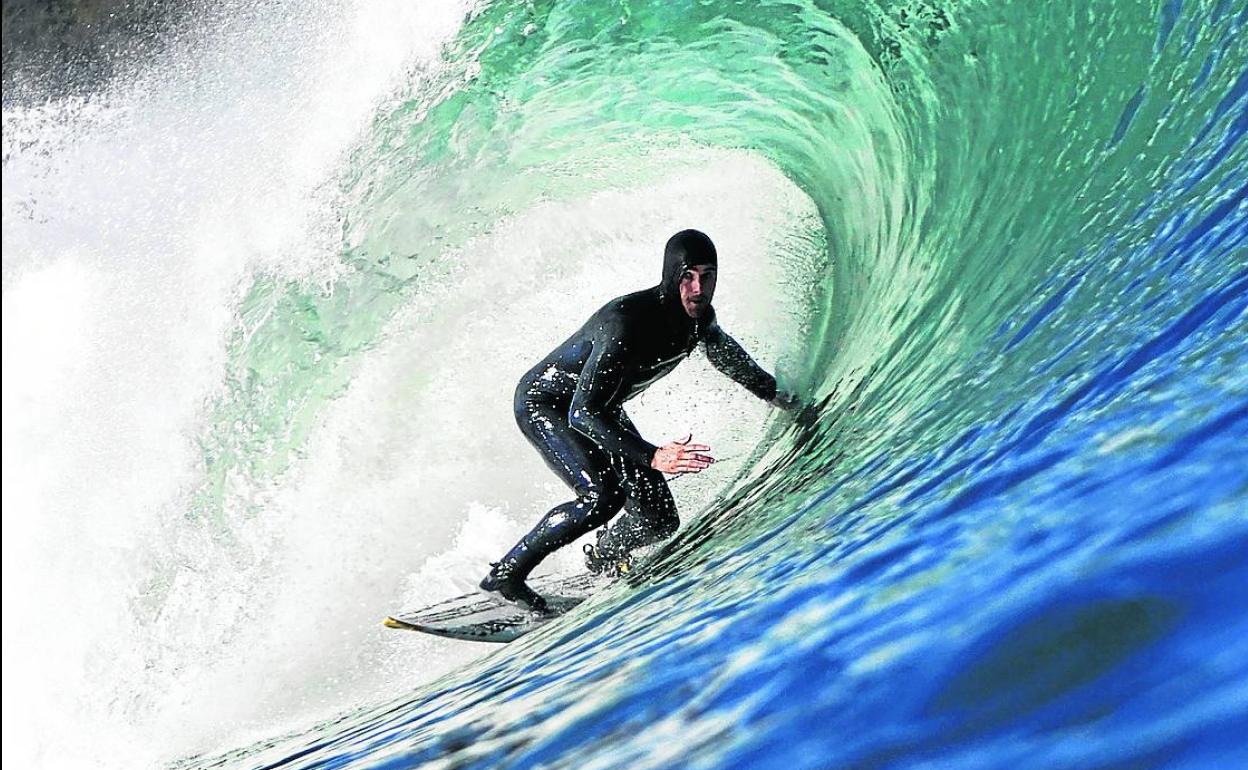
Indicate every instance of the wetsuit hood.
{"type": "Point", "coordinates": [685, 249]}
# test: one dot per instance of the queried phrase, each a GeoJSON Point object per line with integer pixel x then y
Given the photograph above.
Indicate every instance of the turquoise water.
{"type": "Point", "coordinates": [1009, 244]}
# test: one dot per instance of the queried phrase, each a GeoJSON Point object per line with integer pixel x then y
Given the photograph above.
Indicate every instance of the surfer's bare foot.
{"type": "Point", "coordinates": [512, 589]}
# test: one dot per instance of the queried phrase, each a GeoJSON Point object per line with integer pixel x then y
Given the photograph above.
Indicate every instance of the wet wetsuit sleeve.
{"type": "Point", "coordinates": [591, 410]}
{"type": "Point", "coordinates": [727, 355]}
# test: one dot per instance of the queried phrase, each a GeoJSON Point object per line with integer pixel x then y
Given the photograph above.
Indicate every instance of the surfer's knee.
{"type": "Point", "coordinates": [527, 412]}
{"type": "Point", "coordinates": [602, 500]}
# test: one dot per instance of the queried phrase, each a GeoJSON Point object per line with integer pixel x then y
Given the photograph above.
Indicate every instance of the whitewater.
{"type": "Point", "coordinates": [267, 293]}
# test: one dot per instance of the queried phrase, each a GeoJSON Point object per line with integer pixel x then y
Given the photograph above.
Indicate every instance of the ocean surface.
{"type": "Point", "coordinates": [267, 292]}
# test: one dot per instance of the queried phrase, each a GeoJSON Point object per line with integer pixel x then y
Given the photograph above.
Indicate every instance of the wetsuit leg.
{"type": "Point", "coordinates": [650, 513]}
{"type": "Point", "coordinates": [650, 516]}
{"type": "Point", "coordinates": [600, 492]}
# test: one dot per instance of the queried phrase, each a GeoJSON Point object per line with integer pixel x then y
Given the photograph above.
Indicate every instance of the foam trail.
{"type": "Point", "coordinates": [130, 222]}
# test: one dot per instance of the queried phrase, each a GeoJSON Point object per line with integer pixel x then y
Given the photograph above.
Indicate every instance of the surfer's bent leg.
{"type": "Point", "coordinates": [650, 516]}
{"type": "Point", "coordinates": [600, 493]}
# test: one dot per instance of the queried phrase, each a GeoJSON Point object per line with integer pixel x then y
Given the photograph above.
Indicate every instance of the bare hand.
{"type": "Point", "coordinates": [682, 457]}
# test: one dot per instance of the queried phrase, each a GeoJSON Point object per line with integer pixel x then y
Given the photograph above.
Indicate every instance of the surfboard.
{"type": "Point", "coordinates": [479, 617]}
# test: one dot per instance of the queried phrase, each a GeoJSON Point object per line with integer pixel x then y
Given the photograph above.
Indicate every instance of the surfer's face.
{"type": "Point", "coordinates": [697, 287]}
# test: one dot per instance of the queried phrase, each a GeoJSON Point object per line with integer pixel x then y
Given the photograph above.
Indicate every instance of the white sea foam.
{"type": "Point", "coordinates": [130, 221]}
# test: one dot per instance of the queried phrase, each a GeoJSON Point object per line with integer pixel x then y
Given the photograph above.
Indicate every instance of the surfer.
{"type": "Point", "coordinates": [570, 407]}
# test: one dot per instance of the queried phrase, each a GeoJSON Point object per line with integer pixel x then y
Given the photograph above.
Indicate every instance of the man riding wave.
{"type": "Point", "coordinates": [570, 406]}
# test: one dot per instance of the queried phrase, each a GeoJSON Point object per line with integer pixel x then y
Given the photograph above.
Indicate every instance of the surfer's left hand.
{"type": "Point", "coordinates": [786, 401]}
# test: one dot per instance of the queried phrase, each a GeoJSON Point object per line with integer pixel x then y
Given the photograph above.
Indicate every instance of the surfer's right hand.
{"type": "Point", "coordinates": [682, 457]}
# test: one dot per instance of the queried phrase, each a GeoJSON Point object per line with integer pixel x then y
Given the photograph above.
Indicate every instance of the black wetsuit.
{"type": "Point", "coordinates": [571, 408]}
